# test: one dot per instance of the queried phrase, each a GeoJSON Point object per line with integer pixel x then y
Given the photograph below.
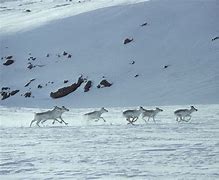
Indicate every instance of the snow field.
{"type": "Point", "coordinates": [165, 150]}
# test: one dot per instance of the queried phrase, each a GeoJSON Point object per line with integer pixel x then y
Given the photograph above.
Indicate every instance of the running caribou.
{"type": "Point", "coordinates": [51, 114]}
{"type": "Point", "coordinates": [150, 113]}
{"type": "Point", "coordinates": [181, 114]}
{"type": "Point", "coordinates": [96, 114]}
{"type": "Point", "coordinates": [132, 115]}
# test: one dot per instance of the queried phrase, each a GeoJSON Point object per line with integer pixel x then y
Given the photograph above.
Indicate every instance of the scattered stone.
{"type": "Point", "coordinates": [67, 90]}
{"type": "Point", "coordinates": [5, 88]}
{"type": "Point", "coordinates": [69, 56]}
{"type": "Point", "coordinates": [144, 24]}
{"type": "Point", "coordinates": [104, 83]}
{"type": "Point", "coordinates": [127, 40]}
{"type": "Point", "coordinates": [28, 10]}
{"type": "Point", "coordinates": [65, 81]}
{"type": "Point", "coordinates": [87, 86]}
{"type": "Point", "coordinates": [27, 94]}
{"type": "Point", "coordinates": [31, 58]}
{"type": "Point", "coordinates": [14, 92]}
{"type": "Point", "coordinates": [8, 62]}
{"type": "Point", "coordinates": [47, 55]}
{"type": "Point", "coordinates": [133, 62]}
{"type": "Point", "coordinates": [9, 57]}
{"type": "Point", "coordinates": [5, 95]}
{"type": "Point", "coordinates": [65, 53]}
{"type": "Point", "coordinates": [39, 86]}
{"type": "Point", "coordinates": [213, 39]}
{"type": "Point", "coordinates": [136, 75]}
{"type": "Point", "coordinates": [29, 82]}
{"type": "Point", "coordinates": [166, 66]}
{"type": "Point", "coordinates": [30, 66]}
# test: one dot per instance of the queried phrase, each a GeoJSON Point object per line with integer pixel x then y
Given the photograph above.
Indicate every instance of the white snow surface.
{"type": "Point", "coordinates": [111, 150]}
{"type": "Point", "coordinates": [14, 17]}
{"type": "Point", "coordinates": [178, 34]}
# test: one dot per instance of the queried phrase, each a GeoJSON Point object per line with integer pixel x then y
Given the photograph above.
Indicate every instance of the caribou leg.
{"type": "Point", "coordinates": [56, 120]}
{"type": "Point", "coordinates": [32, 122]}
{"type": "Point", "coordinates": [103, 119]}
{"type": "Point", "coordinates": [38, 123]}
{"type": "Point", "coordinates": [63, 121]}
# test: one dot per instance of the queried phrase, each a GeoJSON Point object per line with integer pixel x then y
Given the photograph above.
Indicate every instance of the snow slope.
{"type": "Point", "coordinates": [178, 34]}
{"type": "Point", "coordinates": [15, 18]}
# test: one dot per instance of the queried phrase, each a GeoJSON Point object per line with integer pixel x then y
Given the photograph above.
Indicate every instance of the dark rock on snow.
{"type": "Point", "coordinates": [87, 86]}
{"type": "Point", "coordinates": [14, 92]}
{"type": "Point", "coordinates": [29, 82]}
{"type": "Point", "coordinates": [144, 24]}
{"type": "Point", "coordinates": [67, 90]}
{"type": "Point", "coordinates": [30, 66]}
{"type": "Point", "coordinates": [127, 40]}
{"type": "Point", "coordinates": [8, 62]}
{"type": "Point", "coordinates": [213, 39]}
{"type": "Point", "coordinates": [27, 94]}
{"type": "Point", "coordinates": [5, 95]}
{"type": "Point", "coordinates": [5, 88]}
{"type": "Point", "coordinates": [9, 57]}
{"type": "Point", "coordinates": [166, 66]}
{"type": "Point", "coordinates": [133, 62]}
{"type": "Point", "coordinates": [104, 83]}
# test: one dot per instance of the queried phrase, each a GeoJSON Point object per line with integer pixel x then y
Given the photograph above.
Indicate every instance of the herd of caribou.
{"type": "Point", "coordinates": [130, 115]}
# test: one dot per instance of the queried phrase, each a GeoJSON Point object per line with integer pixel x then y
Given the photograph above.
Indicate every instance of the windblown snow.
{"type": "Point", "coordinates": [112, 149]}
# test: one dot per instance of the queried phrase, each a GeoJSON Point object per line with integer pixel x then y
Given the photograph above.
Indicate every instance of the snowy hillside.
{"type": "Point", "coordinates": [173, 58]}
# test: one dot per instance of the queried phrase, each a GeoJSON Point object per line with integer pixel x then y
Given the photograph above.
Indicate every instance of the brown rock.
{"type": "Point", "coordinates": [9, 57]}
{"type": "Point", "coordinates": [5, 95]}
{"type": "Point", "coordinates": [87, 86]}
{"type": "Point", "coordinates": [127, 40]}
{"type": "Point", "coordinates": [8, 62]}
{"type": "Point", "coordinates": [14, 92]}
{"type": "Point", "coordinates": [27, 94]}
{"type": "Point", "coordinates": [104, 83]}
{"type": "Point", "coordinates": [67, 90]}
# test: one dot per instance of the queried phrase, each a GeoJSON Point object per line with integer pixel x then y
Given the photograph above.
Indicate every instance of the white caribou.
{"type": "Point", "coordinates": [181, 114]}
{"type": "Point", "coordinates": [52, 114]}
{"type": "Point", "coordinates": [96, 114]}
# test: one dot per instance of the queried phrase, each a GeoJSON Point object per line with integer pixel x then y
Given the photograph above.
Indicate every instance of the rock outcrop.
{"type": "Point", "coordinates": [67, 90]}
{"type": "Point", "coordinates": [87, 86]}
{"type": "Point", "coordinates": [104, 83]}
